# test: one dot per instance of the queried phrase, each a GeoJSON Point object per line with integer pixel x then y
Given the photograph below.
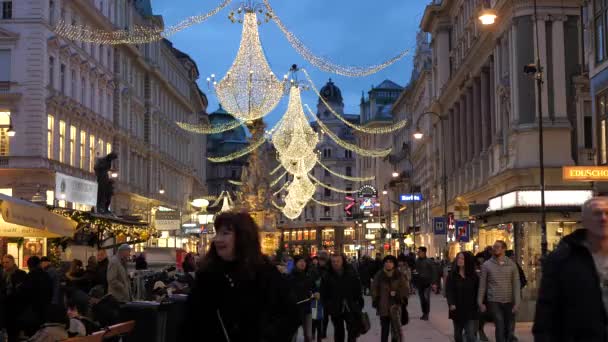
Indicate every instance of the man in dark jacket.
{"type": "Point", "coordinates": [38, 293]}
{"type": "Point", "coordinates": [342, 297]}
{"type": "Point", "coordinates": [426, 276]}
{"type": "Point", "coordinates": [573, 295]}
{"type": "Point", "coordinates": [12, 290]}
{"type": "Point", "coordinates": [102, 269]}
{"type": "Point", "coordinates": [47, 267]}
{"type": "Point", "coordinates": [301, 285]}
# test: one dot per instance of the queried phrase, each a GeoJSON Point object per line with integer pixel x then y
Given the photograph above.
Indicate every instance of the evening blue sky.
{"type": "Point", "coordinates": [349, 32]}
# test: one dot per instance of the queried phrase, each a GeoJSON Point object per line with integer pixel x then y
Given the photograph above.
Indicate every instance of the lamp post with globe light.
{"type": "Point", "coordinates": [419, 135]}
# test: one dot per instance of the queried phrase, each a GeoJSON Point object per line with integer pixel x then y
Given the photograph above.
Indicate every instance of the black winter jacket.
{"type": "Point", "coordinates": [570, 306]}
{"type": "Point", "coordinates": [257, 308]}
{"type": "Point", "coordinates": [301, 285]}
{"type": "Point", "coordinates": [462, 293]}
{"type": "Point", "coordinates": [427, 273]}
{"type": "Point", "coordinates": [337, 289]}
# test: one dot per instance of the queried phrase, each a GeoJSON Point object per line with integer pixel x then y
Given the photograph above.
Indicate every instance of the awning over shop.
{"type": "Point", "coordinates": [19, 218]}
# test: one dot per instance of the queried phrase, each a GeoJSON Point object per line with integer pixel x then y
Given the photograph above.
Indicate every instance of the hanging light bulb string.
{"type": "Point", "coordinates": [349, 178]}
{"type": "Point", "coordinates": [209, 129]}
{"type": "Point", "coordinates": [276, 169]}
{"type": "Point", "coordinates": [278, 179]}
{"type": "Point", "coordinates": [281, 189]}
{"type": "Point", "coordinates": [234, 182]}
{"type": "Point", "coordinates": [238, 154]}
{"type": "Point", "coordinates": [135, 35]}
{"type": "Point", "coordinates": [217, 200]}
{"type": "Point", "coordinates": [327, 204]}
{"type": "Point", "coordinates": [325, 64]}
{"type": "Point", "coordinates": [346, 145]}
{"type": "Point", "coordinates": [369, 130]}
{"type": "Point", "coordinates": [329, 187]}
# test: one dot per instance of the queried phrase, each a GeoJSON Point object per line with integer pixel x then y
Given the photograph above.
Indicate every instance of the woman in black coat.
{"type": "Point", "coordinates": [461, 290]}
{"type": "Point", "coordinates": [301, 284]}
{"type": "Point", "coordinates": [238, 295]}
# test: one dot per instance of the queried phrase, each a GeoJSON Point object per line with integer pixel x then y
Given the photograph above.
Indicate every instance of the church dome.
{"type": "Point", "coordinates": [331, 93]}
{"type": "Point", "coordinates": [220, 117]}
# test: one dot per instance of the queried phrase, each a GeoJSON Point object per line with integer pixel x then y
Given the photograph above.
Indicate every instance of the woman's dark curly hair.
{"type": "Point", "coordinates": [247, 247]}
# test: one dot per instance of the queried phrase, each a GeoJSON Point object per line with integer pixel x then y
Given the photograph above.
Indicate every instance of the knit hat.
{"type": "Point", "coordinates": [124, 247]}
{"type": "Point", "coordinates": [389, 258]}
{"type": "Point", "coordinates": [297, 258]}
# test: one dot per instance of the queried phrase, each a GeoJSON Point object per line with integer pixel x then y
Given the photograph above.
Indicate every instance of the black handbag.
{"type": "Point", "coordinates": [405, 316]}
{"type": "Point", "coordinates": [365, 324]}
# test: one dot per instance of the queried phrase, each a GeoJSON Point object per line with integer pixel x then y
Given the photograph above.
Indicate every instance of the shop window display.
{"type": "Point", "coordinates": [313, 234]}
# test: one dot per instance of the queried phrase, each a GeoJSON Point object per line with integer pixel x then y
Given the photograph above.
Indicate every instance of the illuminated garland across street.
{"type": "Point", "coordinates": [354, 179]}
{"type": "Point", "coordinates": [134, 35]}
{"type": "Point", "coordinates": [233, 182]}
{"type": "Point", "coordinates": [209, 129]}
{"type": "Point", "coordinates": [249, 90]}
{"type": "Point", "coordinates": [327, 65]}
{"type": "Point", "coordinates": [238, 154]}
{"type": "Point", "coordinates": [276, 169]}
{"type": "Point", "coordinates": [281, 189]}
{"type": "Point", "coordinates": [278, 179]}
{"type": "Point", "coordinates": [318, 182]}
{"type": "Point", "coordinates": [347, 145]}
{"type": "Point", "coordinates": [369, 130]}
{"type": "Point", "coordinates": [327, 204]}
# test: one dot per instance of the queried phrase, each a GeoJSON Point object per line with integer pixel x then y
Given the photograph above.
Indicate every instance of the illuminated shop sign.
{"type": "Point", "coordinates": [585, 173]}
{"type": "Point", "coordinates": [531, 198]}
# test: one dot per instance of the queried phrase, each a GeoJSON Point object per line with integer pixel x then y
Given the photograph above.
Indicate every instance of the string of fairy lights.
{"type": "Point", "coordinates": [250, 90]}
{"type": "Point", "coordinates": [136, 34]}
{"type": "Point", "coordinates": [325, 64]}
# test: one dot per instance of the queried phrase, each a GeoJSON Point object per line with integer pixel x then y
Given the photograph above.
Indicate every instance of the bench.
{"type": "Point", "coordinates": [115, 330]}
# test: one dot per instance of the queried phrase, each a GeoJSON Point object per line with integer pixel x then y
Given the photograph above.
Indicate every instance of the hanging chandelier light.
{"type": "Point", "coordinates": [249, 90]}
{"type": "Point", "coordinates": [294, 132]}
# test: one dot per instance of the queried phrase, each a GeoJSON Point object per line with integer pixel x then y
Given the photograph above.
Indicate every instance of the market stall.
{"type": "Point", "coordinates": [25, 228]}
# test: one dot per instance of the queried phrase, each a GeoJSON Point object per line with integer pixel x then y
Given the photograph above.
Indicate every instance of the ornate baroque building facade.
{"type": "Point", "coordinates": [325, 227]}
{"type": "Point", "coordinates": [71, 102]}
{"type": "Point", "coordinates": [489, 106]}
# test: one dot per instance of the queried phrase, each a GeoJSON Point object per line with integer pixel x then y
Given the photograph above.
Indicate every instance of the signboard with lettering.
{"type": "Point", "coordinates": [463, 231]}
{"type": "Point", "coordinates": [411, 198]}
{"type": "Point", "coordinates": [367, 191]}
{"type": "Point", "coordinates": [439, 225]}
{"type": "Point", "coordinates": [167, 220]}
{"type": "Point", "coordinates": [75, 190]}
{"type": "Point", "coordinates": [585, 173]}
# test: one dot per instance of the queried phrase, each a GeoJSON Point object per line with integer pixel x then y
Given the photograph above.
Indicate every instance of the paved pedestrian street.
{"type": "Point", "coordinates": [437, 329]}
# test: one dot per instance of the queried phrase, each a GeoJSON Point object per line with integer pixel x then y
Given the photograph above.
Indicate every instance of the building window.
{"type": "Point", "coordinates": [5, 65]}
{"type": "Point", "coordinates": [327, 192]}
{"type": "Point", "coordinates": [73, 85]}
{"type": "Point", "coordinates": [7, 9]}
{"type": "Point", "coordinates": [326, 211]}
{"type": "Point", "coordinates": [327, 174]}
{"type": "Point", "coordinates": [299, 235]}
{"type": "Point", "coordinates": [603, 142]}
{"type": "Point", "coordinates": [306, 236]}
{"type": "Point", "coordinates": [285, 236]}
{"type": "Point", "coordinates": [50, 134]}
{"type": "Point", "coordinates": [83, 91]}
{"type": "Point", "coordinates": [588, 125]}
{"type": "Point", "coordinates": [294, 235]}
{"type": "Point", "coordinates": [5, 120]}
{"type": "Point", "coordinates": [349, 171]}
{"type": "Point", "coordinates": [52, 12]}
{"type": "Point", "coordinates": [108, 148]}
{"type": "Point", "coordinates": [83, 149]}
{"type": "Point", "coordinates": [326, 153]}
{"type": "Point", "coordinates": [348, 154]}
{"type": "Point", "coordinates": [92, 97]}
{"type": "Point", "coordinates": [73, 146]}
{"type": "Point", "coordinates": [313, 234]}
{"type": "Point", "coordinates": [91, 153]}
{"type": "Point", "coordinates": [61, 140]}
{"type": "Point", "coordinates": [328, 234]}
{"type": "Point", "coordinates": [62, 77]}
{"type": "Point", "coordinates": [52, 71]}
{"type": "Point", "coordinates": [601, 11]}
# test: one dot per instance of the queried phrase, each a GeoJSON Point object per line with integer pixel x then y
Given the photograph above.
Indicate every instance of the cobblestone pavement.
{"type": "Point", "coordinates": [437, 329]}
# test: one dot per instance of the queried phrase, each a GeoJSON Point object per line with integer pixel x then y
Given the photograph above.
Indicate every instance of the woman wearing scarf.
{"type": "Point", "coordinates": [390, 290]}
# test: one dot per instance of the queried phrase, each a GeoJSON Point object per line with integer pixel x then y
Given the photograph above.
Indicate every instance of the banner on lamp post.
{"type": "Point", "coordinates": [463, 231]}
{"type": "Point", "coordinates": [439, 225]}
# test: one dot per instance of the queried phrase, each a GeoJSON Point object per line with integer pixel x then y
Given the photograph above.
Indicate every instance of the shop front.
{"type": "Point", "coordinates": [515, 218]}
{"type": "Point", "coordinates": [25, 228]}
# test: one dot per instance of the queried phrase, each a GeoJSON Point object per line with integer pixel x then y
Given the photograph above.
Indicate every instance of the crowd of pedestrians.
{"type": "Point", "coordinates": [237, 293]}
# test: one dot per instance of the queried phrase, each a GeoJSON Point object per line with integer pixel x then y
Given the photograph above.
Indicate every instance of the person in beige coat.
{"type": "Point", "coordinates": [119, 284]}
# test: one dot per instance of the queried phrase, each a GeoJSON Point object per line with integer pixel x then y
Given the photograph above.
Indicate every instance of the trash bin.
{"type": "Point", "coordinates": [150, 321]}
{"type": "Point", "coordinates": [175, 316]}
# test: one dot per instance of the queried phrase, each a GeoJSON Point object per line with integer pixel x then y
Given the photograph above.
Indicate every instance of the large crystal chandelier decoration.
{"type": "Point", "coordinates": [249, 90]}
{"type": "Point", "coordinates": [294, 139]}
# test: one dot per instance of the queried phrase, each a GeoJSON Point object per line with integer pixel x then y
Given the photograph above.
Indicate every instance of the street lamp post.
{"type": "Point", "coordinates": [418, 135]}
{"type": "Point", "coordinates": [488, 17]}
